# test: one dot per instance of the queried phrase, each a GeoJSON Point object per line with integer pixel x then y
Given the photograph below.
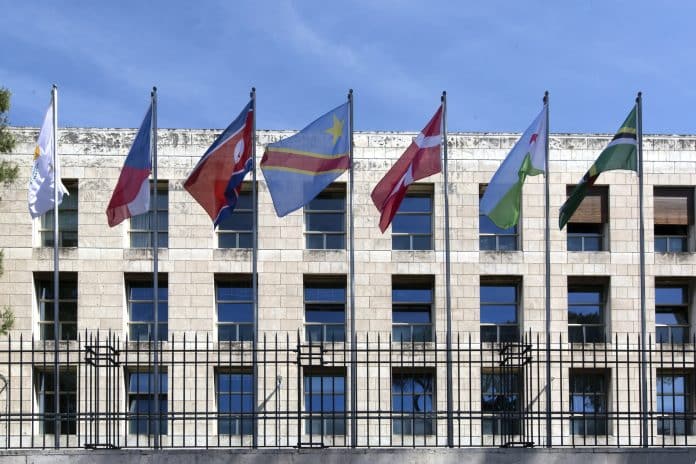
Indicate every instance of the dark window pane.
{"type": "Point", "coordinates": [574, 243]}
{"type": "Point", "coordinates": [414, 204]}
{"type": "Point", "coordinates": [412, 224]}
{"type": "Point", "coordinates": [670, 295]}
{"type": "Point", "coordinates": [325, 222]}
{"type": "Point", "coordinates": [325, 294]}
{"type": "Point", "coordinates": [422, 242]}
{"type": "Point", "coordinates": [315, 242]}
{"type": "Point", "coordinates": [401, 242]}
{"type": "Point", "coordinates": [487, 243]}
{"type": "Point", "coordinates": [335, 242]}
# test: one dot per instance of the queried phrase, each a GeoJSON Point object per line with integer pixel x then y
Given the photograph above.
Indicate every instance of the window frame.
{"type": "Point", "coordinates": [67, 400]}
{"type": "Point", "coordinates": [246, 191]}
{"type": "Point", "coordinates": [44, 283]}
{"type": "Point", "coordinates": [602, 234]}
{"type": "Point", "coordinates": [337, 282]}
{"type": "Point", "coordinates": [667, 233]}
{"type": "Point", "coordinates": [405, 423]}
{"type": "Point", "coordinates": [148, 233]}
{"type": "Point", "coordinates": [324, 422]}
{"type": "Point", "coordinates": [234, 422]}
{"type": "Point", "coordinates": [234, 282]}
{"type": "Point", "coordinates": [142, 281]}
{"type": "Point", "coordinates": [416, 191]}
{"type": "Point", "coordinates": [401, 282]}
{"type": "Point", "coordinates": [517, 285]}
{"type": "Point", "coordinates": [333, 190]}
{"type": "Point", "coordinates": [598, 420]}
{"type": "Point", "coordinates": [502, 421]}
{"type": "Point", "coordinates": [672, 419]}
{"type": "Point", "coordinates": [498, 233]}
{"type": "Point", "coordinates": [582, 286]}
{"type": "Point", "coordinates": [149, 416]}
{"type": "Point", "coordinates": [685, 306]}
{"type": "Point", "coordinates": [46, 221]}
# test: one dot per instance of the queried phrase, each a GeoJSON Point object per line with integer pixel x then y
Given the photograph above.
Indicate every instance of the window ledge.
{"type": "Point", "coordinates": [144, 253]}
{"type": "Point", "coordinates": [232, 254]}
{"type": "Point", "coordinates": [47, 252]}
{"type": "Point", "coordinates": [418, 256]}
{"type": "Point", "coordinates": [324, 255]}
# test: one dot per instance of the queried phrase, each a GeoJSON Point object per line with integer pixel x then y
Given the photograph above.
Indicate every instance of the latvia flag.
{"type": "Point", "coordinates": [420, 160]}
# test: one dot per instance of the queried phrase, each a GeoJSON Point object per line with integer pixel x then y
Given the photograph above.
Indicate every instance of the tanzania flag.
{"type": "Point", "coordinates": [298, 168]}
{"type": "Point", "coordinates": [621, 153]}
{"type": "Point", "coordinates": [501, 201]}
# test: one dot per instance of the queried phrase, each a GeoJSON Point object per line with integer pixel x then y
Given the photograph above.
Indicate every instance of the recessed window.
{"type": "Point", "coordinates": [412, 227]}
{"type": "Point", "coordinates": [235, 399]}
{"type": "Point", "coordinates": [235, 308]}
{"type": "Point", "coordinates": [492, 237]}
{"type": "Point", "coordinates": [499, 312]}
{"type": "Point", "coordinates": [67, 306]}
{"type": "Point", "coordinates": [325, 402]}
{"type": "Point", "coordinates": [500, 403]}
{"type": "Point", "coordinates": [586, 229]}
{"type": "Point", "coordinates": [144, 226]}
{"type": "Point", "coordinates": [67, 219]}
{"type": "Point", "coordinates": [586, 308]}
{"type": "Point", "coordinates": [588, 402]}
{"type": "Point", "coordinates": [325, 309]}
{"type": "Point", "coordinates": [236, 229]}
{"type": "Point", "coordinates": [412, 403]}
{"type": "Point", "coordinates": [143, 416]}
{"type": "Point", "coordinates": [674, 403]}
{"type": "Point", "coordinates": [412, 303]}
{"type": "Point", "coordinates": [674, 218]}
{"type": "Point", "coordinates": [141, 304]}
{"type": "Point", "coordinates": [45, 382]}
{"type": "Point", "coordinates": [325, 219]}
{"type": "Point", "coordinates": [671, 313]}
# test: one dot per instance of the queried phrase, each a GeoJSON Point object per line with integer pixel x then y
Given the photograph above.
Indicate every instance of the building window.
{"type": "Point", "coordinates": [671, 313]}
{"type": "Point", "coordinates": [325, 219]}
{"type": "Point", "coordinates": [586, 317]}
{"type": "Point", "coordinates": [412, 403]}
{"type": "Point", "coordinates": [235, 309]}
{"type": "Point", "coordinates": [325, 403]}
{"type": "Point", "coordinates": [500, 403]}
{"type": "Point", "coordinates": [142, 413]}
{"type": "Point", "coordinates": [492, 237]}
{"type": "Point", "coordinates": [674, 217]}
{"type": "Point", "coordinates": [499, 309]}
{"type": "Point", "coordinates": [412, 302]}
{"type": "Point", "coordinates": [235, 398]}
{"type": "Point", "coordinates": [325, 309]}
{"type": "Point", "coordinates": [67, 306]}
{"type": "Point", "coordinates": [143, 226]}
{"type": "Point", "coordinates": [673, 403]}
{"type": "Point", "coordinates": [46, 399]}
{"type": "Point", "coordinates": [412, 227]}
{"type": "Point", "coordinates": [236, 229]}
{"type": "Point", "coordinates": [141, 303]}
{"type": "Point", "coordinates": [588, 402]}
{"type": "Point", "coordinates": [67, 219]}
{"type": "Point", "coordinates": [587, 227]}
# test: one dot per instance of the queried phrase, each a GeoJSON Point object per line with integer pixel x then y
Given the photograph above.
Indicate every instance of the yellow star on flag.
{"type": "Point", "coordinates": [336, 130]}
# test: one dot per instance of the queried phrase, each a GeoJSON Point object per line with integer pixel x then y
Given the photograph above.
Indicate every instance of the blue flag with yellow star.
{"type": "Point", "coordinates": [298, 168]}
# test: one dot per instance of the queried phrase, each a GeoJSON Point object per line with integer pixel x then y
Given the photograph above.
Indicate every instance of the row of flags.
{"type": "Point", "coordinates": [299, 167]}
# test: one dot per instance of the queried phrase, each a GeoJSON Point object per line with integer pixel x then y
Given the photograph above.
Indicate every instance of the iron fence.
{"type": "Point", "coordinates": [292, 393]}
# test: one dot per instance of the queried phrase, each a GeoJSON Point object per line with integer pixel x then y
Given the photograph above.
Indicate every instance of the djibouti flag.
{"type": "Point", "coordinates": [621, 153]}
{"type": "Point", "coordinates": [501, 200]}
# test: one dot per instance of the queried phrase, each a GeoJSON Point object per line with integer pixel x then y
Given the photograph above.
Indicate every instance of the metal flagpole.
{"type": "Point", "coordinates": [56, 282]}
{"type": "Point", "coordinates": [254, 264]}
{"type": "Point", "coordinates": [353, 338]}
{"type": "Point", "coordinates": [643, 328]}
{"type": "Point", "coordinates": [547, 253]}
{"type": "Point", "coordinates": [448, 295]}
{"type": "Point", "coordinates": [155, 273]}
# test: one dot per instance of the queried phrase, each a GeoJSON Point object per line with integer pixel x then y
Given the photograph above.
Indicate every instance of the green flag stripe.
{"type": "Point", "coordinates": [507, 212]}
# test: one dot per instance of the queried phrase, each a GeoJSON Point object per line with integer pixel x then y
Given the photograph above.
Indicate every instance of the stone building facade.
{"type": "Point", "coordinates": [497, 294]}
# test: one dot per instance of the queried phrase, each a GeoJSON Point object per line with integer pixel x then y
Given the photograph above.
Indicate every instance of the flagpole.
{"type": "Point", "coordinates": [448, 294]}
{"type": "Point", "coordinates": [254, 263]}
{"type": "Point", "coordinates": [155, 265]}
{"type": "Point", "coordinates": [56, 280]}
{"type": "Point", "coordinates": [547, 253]}
{"type": "Point", "coordinates": [353, 338]}
{"type": "Point", "coordinates": [643, 328]}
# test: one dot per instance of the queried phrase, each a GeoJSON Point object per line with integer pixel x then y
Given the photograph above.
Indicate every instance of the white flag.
{"type": "Point", "coordinates": [43, 173]}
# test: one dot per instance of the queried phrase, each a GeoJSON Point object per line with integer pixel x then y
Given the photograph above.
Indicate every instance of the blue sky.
{"type": "Point", "coordinates": [495, 58]}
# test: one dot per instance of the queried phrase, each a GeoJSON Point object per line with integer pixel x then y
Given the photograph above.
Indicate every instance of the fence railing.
{"type": "Point", "coordinates": [291, 393]}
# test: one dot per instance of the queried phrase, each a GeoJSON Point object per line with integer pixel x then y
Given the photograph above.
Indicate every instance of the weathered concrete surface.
{"type": "Point", "coordinates": [362, 456]}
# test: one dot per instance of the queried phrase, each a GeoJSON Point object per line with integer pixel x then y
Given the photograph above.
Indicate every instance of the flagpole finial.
{"type": "Point", "coordinates": [55, 87]}
{"type": "Point", "coordinates": [640, 96]}
{"type": "Point", "coordinates": [350, 94]}
{"type": "Point", "coordinates": [154, 91]}
{"type": "Point", "coordinates": [252, 94]}
{"type": "Point", "coordinates": [444, 95]}
{"type": "Point", "coordinates": [546, 97]}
